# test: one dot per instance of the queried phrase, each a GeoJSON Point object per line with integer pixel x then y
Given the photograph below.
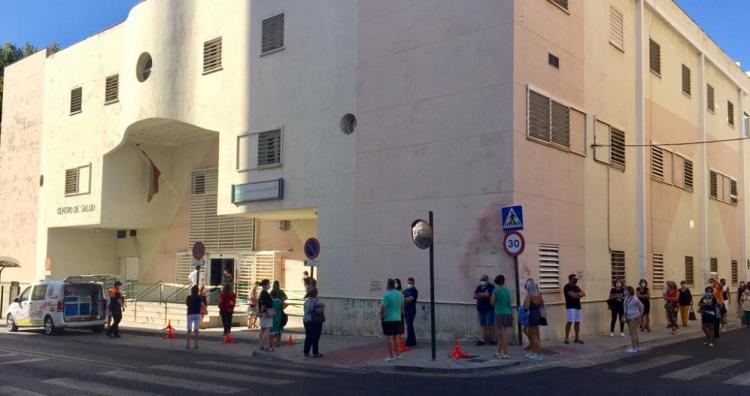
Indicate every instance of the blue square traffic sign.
{"type": "Point", "coordinates": [511, 218]}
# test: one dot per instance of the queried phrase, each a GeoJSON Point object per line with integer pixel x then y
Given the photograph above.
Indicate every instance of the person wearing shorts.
{"type": "Point", "coordinates": [391, 311]}
{"type": "Point", "coordinates": [503, 316]}
{"type": "Point", "coordinates": [265, 311]}
{"type": "Point", "coordinates": [573, 295]}
{"type": "Point", "coordinates": [193, 302]}
{"type": "Point", "coordinates": [483, 295]}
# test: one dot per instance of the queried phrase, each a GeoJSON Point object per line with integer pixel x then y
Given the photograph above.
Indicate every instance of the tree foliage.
{"type": "Point", "coordinates": [10, 53]}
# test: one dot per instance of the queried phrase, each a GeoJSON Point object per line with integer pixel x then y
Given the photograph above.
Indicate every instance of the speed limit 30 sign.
{"type": "Point", "coordinates": [513, 243]}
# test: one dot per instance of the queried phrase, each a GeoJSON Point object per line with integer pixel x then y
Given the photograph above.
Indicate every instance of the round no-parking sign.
{"type": "Point", "coordinates": [513, 243]}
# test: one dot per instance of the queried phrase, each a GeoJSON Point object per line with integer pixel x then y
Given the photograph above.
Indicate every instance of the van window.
{"type": "Point", "coordinates": [25, 295]}
{"type": "Point", "coordinates": [39, 292]}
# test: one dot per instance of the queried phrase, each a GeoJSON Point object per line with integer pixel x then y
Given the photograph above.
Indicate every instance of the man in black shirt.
{"type": "Point", "coordinates": [573, 295]}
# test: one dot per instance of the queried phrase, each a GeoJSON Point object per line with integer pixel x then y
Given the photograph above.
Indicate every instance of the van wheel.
{"type": "Point", "coordinates": [49, 326]}
{"type": "Point", "coordinates": [11, 324]}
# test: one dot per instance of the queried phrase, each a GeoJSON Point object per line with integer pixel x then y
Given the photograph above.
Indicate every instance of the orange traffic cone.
{"type": "Point", "coordinates": [402, 347]}
{"type": "Point", "coordinates": [457, 352]}
{"type": "Point", "coordinates": [170, 331]}
{"type": "Point", "coordinates": [289, 342]}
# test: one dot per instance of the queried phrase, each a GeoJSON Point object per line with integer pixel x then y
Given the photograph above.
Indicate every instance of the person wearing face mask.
{"type": "Point", "coordinates": [718, 295]}
{"type": "Point", "coordinates": [616, 309]}
{"type": "Point", "coordinates": [483, 295]}
{"type": "Point", "coordinates": [740, 291]}
{"type": "Point", "coordinates": [266, 313]}
{"type": "Point", "coordinates": [744, 299]}
{"type": "Point", "coordinates": [573, 295]}
{"type": "Point", "coordinates": [410, 311]}
{"type": "Point", "coordinates": [644, 296]}
{"type": "Point", "coordinates": [672, 298]}
{"type": "Point", "coordinates": [633, 311]}
{"type": "Point", "coordinates": [686, 303]}
{"type": "Point", "coordinates": [710, 315]}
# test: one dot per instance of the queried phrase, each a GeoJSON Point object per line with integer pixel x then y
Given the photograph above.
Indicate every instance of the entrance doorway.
{"type": "Point", "coordinates": [221, 271]}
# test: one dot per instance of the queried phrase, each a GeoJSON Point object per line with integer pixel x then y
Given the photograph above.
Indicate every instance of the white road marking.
{"type": "Point", "coordinates": [94, 387]}
{"type": "Point", "coordinates": [702, 369]}
{"type": "Point", "coordinates": [22, 361]}
{"type": "Point", "coordinates": [9, 354]}
{"type": "Point", "coordinates": [246, 367]}
{"type": "Point", "coordinates": [12, 390]}
{"type": "Point", "coordinates": [742, 379]}
{"type": "Point", "coordinates": [649, 364]}
{"type": "Point", "coordinates": [224, 375]}
{"type": "Point", "coordinates": [195, 386]}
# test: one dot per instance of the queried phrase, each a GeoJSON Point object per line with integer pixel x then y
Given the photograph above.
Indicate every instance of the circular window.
{"type": "Point", "coordinates": [143, 67]}
{"type": "Point", "coordinates": [348, 123]}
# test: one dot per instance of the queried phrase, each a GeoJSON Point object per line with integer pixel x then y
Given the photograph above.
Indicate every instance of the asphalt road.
{"type": "Point", "coordinates": [33, 364]}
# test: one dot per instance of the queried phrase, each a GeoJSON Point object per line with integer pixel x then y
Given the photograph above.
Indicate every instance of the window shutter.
{"type": "Point", "coordinates": [688, 174]}
{"type": "Point", "coordinates": [272, 36]}
{"type": "Point", "coordinates": [561, 3]}
{"type": "Point", "coordinates": [657, 268]}
{"type": "Point", "coordinates": [714, 188]}
{"type": "Point", "coordinates": [657, 162]}
{"type": "Point", "coordinates": [689, 274]}
{"type": "Point", "coordinates": [730, 113]}
{"type": "Point", "coordinates": [539, 116]}
{"type": "Point", "coordinates": [71, 181]}
{"type": "Point", "coordinates": [733, 190]}
{"type": "Point", "coordinates": [710, 97]}
{"type": "Point", "coordinates": [269, 147]}
{"type": "Point", "coordinates": [616, 26]}
{"type": "Point", "coordinates": [686, 88]}
{"type": "Point", "coordinates": [714, 264]}
{"type": "Point", "coordinates": [76, 100]}
{"type": "Point", "coordinates": [560, 124]}
{"type": "Point", "coordinates": [735, 273]}
{"type": "Point", "coordinates": [111, 89]}
{"type": "Point", "coordinates": [617, 262]}
{"type": "Point", "coordinates": [617, 148]}
{"type": "Point", "coordinates": [212, 55]}
{"type": "Point", "coordinates": [549, 266]}
{"type": "Point", "coordinates": [654, 56]}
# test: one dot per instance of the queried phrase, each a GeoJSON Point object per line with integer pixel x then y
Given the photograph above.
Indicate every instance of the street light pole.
{"type": "Point", "coordinates": [432, 290]}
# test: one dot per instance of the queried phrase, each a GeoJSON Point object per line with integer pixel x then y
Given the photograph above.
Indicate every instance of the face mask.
{"type": "Point", "coordinates": [643, 285]}
{"type": "Point", "coordinates": [626, 293]}
{"type": "Point", "coordinates": [683, 287]}
{"type": "Point", "coordinates": [265, 287]}
{"type": "Point", "coordinates": [708, 296]}
{"type": "Point", "coordinates": [409, 286]}
{"type": "Point", "coordinates": [483, 283]}
{"type": "Point", "coordinates": [618, 285]}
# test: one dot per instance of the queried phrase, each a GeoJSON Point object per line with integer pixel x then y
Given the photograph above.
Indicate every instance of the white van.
{"type": "Point", "coordinates": [76, 302]}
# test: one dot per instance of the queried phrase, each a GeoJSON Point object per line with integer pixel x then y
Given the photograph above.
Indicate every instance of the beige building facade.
{"type": "Point", "coordinates": [271, 122]}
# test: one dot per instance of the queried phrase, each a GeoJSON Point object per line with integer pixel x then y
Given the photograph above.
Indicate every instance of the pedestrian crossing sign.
{"type": "Point", "coordinates": [512, 218]}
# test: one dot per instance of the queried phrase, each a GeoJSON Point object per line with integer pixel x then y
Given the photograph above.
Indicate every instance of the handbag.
{"type": "Point", "coordinates": [284, 318]}
{"type": "Point", "coordinates": [691, 315]}
{"type": "Point", "coordinates": [543, 316]}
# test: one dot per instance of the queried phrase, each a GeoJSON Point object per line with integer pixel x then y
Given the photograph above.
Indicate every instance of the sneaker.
{"type": "Point", "coordinates": [611, 334]}
{"type": "Point", "coordinates": [390, 359]}
{"type": "Point", "coordinates": [536, 357]}
{"type": "Point", "coordinates": [528, 355]}
{"type": "Point", "coordinates": [578, 342]}
{"type": "Point", "coordinates": [710, 345]}
{"type": "Point", "coordinates": [506, 356]}
{"type": "Point", "coordinates": [479, 343]}
{"type": "Point", "coordinates": [705, 342]}
{"type": "Point", "coordinates": [622, 334]}
{"type": "Point", "coordinates": [499, 355]}
{"type": "Point", "coordinates": [631, 350]}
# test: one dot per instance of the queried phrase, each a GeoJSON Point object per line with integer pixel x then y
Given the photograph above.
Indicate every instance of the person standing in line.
{"type": "Point", "coordinates": [401, 325]}
{"type": "Point", "coordinates": [573, 295]}
{"type": "Point", "coordinates": [710, 315]}
{"type": "Point", "coordinates": [194, 302]}
{"type": "Point", "coordinates": [740, 291]}
{"type": "Point", "coordinates": [252, 307]}
{"type": "Point", "coordinates": [115, 309]}
{"type": "Point", "coordinates": [672, 301]}
{"type": "Point", "coordinates": [227, 301]}
{"type": "Point", "coordinates": [279, 315]}
{"type": "Point", "coordinates": [308, 281]}
{"type": "Point", "coordinates": [313, 318]}
{"type": "Point", "coordinates": [266, 313]}
{"type": "Point", "coordinates": [410, 311]}
{"type": "Point", "coordinates": [718, 295]}
{"type": "Point", "coordinates": [534, 304]}
{"type": "Point", "coordinates": [686, 302]}
{"type": "Point", "coordinates": [616, 297]}
{"type": "Point", "coordinates": [643, 294]}
{"type": "Point", "coordinates": [633, 312]}
{"type": "Point", "coordinates": [744, 302]}
{"type": "Point", "coordinates": [503, 316]}
{"type": "Point", "coordinates": [391, 309]}
{"type": "Point", "coordinates": [725, 292]}
{"type": "Point", "coordinates": [483, 294]}
{"type": "Point", "coordinates": [204, 307]}
{"type": "Point", "coordinates": [194, 276]}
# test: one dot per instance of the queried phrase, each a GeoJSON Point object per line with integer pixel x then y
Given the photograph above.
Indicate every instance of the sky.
{"type": "Point", "coordinates": [68, 21]}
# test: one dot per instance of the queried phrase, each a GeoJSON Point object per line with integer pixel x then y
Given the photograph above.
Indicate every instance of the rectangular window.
{"type": "Point", "coordinates": [272, 36]}
{"type": "Point", "coordinates": [714, 265]}
{"type": "Point", "coordinates": [657, 268]}
{"type": "Point", "coordinates": [746, 124]}
{"type": "Point", "coordinates": [730, 113]}
{"type": "Point", "coordinates": [688, 174]}
{"type": "Point", "coordinates": [78, 180]}
{"type": "Point", "coordinates": [198, 186]}
{"type": "Point", "coordinates": [686, 88]}
{"type": "Point", "coordinates": [710, 99]}
{"type": "Point", "coordinates": [657, 162]}
{"type": "Point", "coordinates": [111, 89]}
{"type": "Point", "coordinates": [714, 187]}
{"type": "Point", "coordinates": [560, 127]}
{"type": "Point", "coordinates": [539, 116]}
{"type": "Point", "coordinates": [723, 188]}
{"type": "Point", "coordinates": [553, 122]}
{"type": "Point", "coordinates": [735, 273]}
{"type": "Point", "coordinates": [39, 293]}
{"type": "Point", "coordinates": [689, 274]}
{"type": "Point", "coordinates": [269, 148]}
{"type": "Point", "coordinates": [733, 191]}
{"type": "Point", "coordinates": [561, 3]}
{"type": "Point", "coordinates": [553, 61]}
{"type": "Point", "coordinates": [617, 148]}
{"type": "Point", "coordinates": [549, 266]}
{"type": "Point", "coordinates": [617, 262]}
{"type": "Point", "coordinates": [654, 56]}
{"type": "Point", "coordinates": [212, 55]}
{"type": "Point", "coordinates": [616, 26]}
{"type": "Point", "coordinates": [76, 100]}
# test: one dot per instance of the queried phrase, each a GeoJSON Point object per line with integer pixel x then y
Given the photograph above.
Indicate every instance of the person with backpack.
{"type": "Point", "coordinates": [116, 302]}
{"type": "Point", "coordinates": [313, 318]}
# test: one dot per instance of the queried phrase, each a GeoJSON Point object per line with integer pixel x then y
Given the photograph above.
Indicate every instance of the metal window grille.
{"type": "Point", "coordinates": [269, 148]}
{"type": "Point", "coordinates": [688, 174]}
{"type": "Point", "coordinates": [212, 55]}
{"type": "Point", "coordinates": [657, 268]}
{"type": "Point", "coordinates": [714, 187]}
{"type": "Point", "coordinates": [549, 266]}
{"type": "Point", "coordinates": [562, 3]}
{"type": "Point", "coordinates": [539, 116]}
{"type": "Point", "coordinates": [617, 262]}
{"type": "Point", "coordinates": [689, 274]}
{"type": "Point", "coordinates": [111, 88]}
{"type": "Point", "coordinates": [553, 61]}
{"type": "Point", "coordinates": [735, 273]}
{"type": "Point", "coordinates": [714, 264]}
{"type": "Point", "coordinates": [654, 56]}
{"type": "Point", "coordinates": [272, 36]}
{"type": "Point", "coordinates": [560, 126]}
{"type": "Point", "coordinates": [616, 28]}
{"type": "Point", "coordinates": [733, 191]}
{"type": "Point", "coordinates": [617, 148]}
{"type": "Point", "coordinates": [730, 113]}
{"type": "Point", "coordinates": [72, 181]}
{"type": "Point", "coordinates": [657, 162]}
{"type": "Point", "coordinates": [710, 98]}
{"type": "Point", "coordinates": [686, 83]}
{"type": "Point", "coordinates": [76, 100]}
